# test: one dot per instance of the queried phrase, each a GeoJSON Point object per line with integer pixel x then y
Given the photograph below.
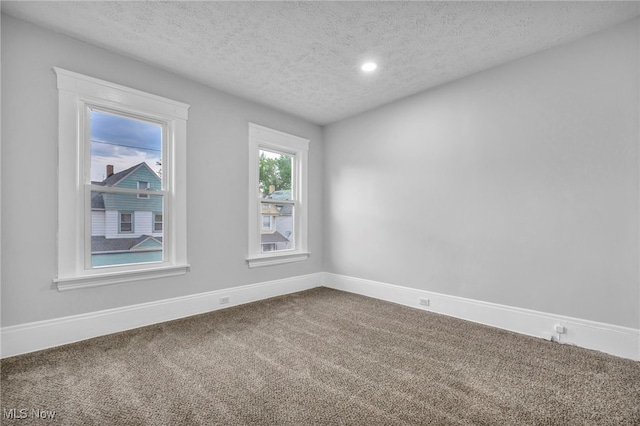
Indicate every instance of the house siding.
{"type": "Point", "coordinates": [140, 174]}
{"type": "Point", "coordinates": [131, 202]}
{"type": "Point", "coordinates": [143, 223]}
{"type": "Point", "coordinates": [107, 223]}
{"type": "Point", "coordinates": [125, 258]}
{"type": "Point", "coordinates": [111, 224]}
{"type": "Point", "coordinates": [97, 223]}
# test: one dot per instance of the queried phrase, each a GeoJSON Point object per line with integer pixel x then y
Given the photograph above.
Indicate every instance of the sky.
{"type": "Point", "coordinates": [122, 142]}
{"type": "Point", "coordinates": [269, 154]}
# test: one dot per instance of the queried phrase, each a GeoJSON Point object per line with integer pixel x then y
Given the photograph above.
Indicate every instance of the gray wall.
{"type": "Point", "coordinates": [217, 178]}
{"type": "Point", "coordinates": [518, 185]}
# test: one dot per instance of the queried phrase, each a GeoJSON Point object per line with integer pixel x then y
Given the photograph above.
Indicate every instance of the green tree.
{"type": "Point", "coordinates": [276, 172]}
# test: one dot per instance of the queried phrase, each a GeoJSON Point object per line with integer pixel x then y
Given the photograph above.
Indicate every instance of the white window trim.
{"type": "Point", "coordinates": [76, 92]}
{"type": "Point", "coordinates": [265, 138]}
{"type": "Point", "coordinates": [120, 222]}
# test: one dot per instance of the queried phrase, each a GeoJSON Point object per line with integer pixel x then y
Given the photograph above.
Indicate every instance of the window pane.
{"type": "Point", "coordinates": [143, 185]}
{"type": "Point", "coordinates": [122, 146]}
{"type": "Point", "coordinates": [266, 222]}
{"type": "Point", "coordinates": [278, 235]}
{"type": "Point", "coordinates": [125, 229]}
{"type": "Point", "coordinates": [157, 223]}
{"type": "Point", "coordinates": [275, 175]}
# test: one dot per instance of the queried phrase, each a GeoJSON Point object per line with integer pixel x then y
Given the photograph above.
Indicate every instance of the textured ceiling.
{"type": "Point", "coordinates": [304, 57]}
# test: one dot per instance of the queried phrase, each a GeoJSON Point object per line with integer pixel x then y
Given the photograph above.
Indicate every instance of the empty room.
{"type": "Point", "coordinates": [320, 213]}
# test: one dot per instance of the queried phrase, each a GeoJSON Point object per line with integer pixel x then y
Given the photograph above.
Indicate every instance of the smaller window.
{"type": "Point", "coordinates": [157, 222]}
{"type": "Point", "coordinates": [266, 223]}
{"type": "Point", "coordinates": [126, 222]}
{"type": "Point", "coordinates": [277, 197]}
{"type": "Point", "coordinates": [268, 247]}
{"type": "Point", "coordinates": [143, 185]}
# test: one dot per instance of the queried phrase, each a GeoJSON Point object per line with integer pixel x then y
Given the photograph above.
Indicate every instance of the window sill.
{"type": "Point", "coordinates": [277, 259]}
{"type": "Point", "coordinates": [108, 278]}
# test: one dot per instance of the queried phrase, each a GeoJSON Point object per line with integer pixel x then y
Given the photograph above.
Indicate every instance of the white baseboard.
{"type": "Point", "coordinates": [24, 338]}
{"type": "Point", "coordinates": [612, 339]}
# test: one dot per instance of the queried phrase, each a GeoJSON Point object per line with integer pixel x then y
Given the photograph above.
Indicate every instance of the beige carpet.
{"type": "Point", "coordinates": [321, 357]}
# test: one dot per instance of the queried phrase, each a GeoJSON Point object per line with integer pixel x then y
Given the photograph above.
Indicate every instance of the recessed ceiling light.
{"type": "Point", "coordinates": [369, 66]}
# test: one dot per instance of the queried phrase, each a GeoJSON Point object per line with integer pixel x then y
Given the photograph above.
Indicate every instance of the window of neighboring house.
{"type": "Point", "coordinates": [268, 247]}
{"type": "Point", "coordinates": [268, 223]}
{"type": "Point", "coordinates": [143, 185]}
{"type": "Point", "coordinates": [112, 192]}
{"type": "Point", "coordinates": [277, 197]}
{"type": "Point", "coordinates": [157, 222]}
{"type": "Point", "coordinates": [126, 222]}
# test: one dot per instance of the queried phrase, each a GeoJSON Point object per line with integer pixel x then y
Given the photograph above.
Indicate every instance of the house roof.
{"type": "Point", "coordinates": [284, 194]}
{"type": "Point", "coordinates": [276, 237]}
{"type": "Point", "coordinates": [97, 201]}
{"type": "Point", "coordinates": [286, 210]}
{"type": "Point", "coordinates": [115, 178]}
{"type": "Point", "coordinates": [272, 210]}
{"type": "Point", "coordinates": [101, 244]}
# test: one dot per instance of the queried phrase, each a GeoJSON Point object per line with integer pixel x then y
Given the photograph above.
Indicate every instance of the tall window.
{"type": "Point", "coordinates": [121, 196]}
{"type": "Point", "coordinates": [277, 197]}
{"type": "Point", "coordinates": [126, 152]}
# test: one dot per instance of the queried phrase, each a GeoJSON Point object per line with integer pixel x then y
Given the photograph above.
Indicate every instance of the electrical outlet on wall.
{"type": "Point", "coordinates": [224, 300]}
{"type": "Point", "coordinates": [423, 301]}
{"type": "Point", "coordinates": [559, 329]}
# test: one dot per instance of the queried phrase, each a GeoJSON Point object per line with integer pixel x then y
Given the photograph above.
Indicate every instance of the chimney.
{"type": "Point", "coordinates": [109, 170]}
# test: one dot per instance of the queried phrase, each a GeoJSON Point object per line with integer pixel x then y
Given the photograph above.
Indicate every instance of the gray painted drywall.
{"type": "Point", "coordinates": [517, 185]}
{"type": "Point", "coordinates": [217, 178]}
